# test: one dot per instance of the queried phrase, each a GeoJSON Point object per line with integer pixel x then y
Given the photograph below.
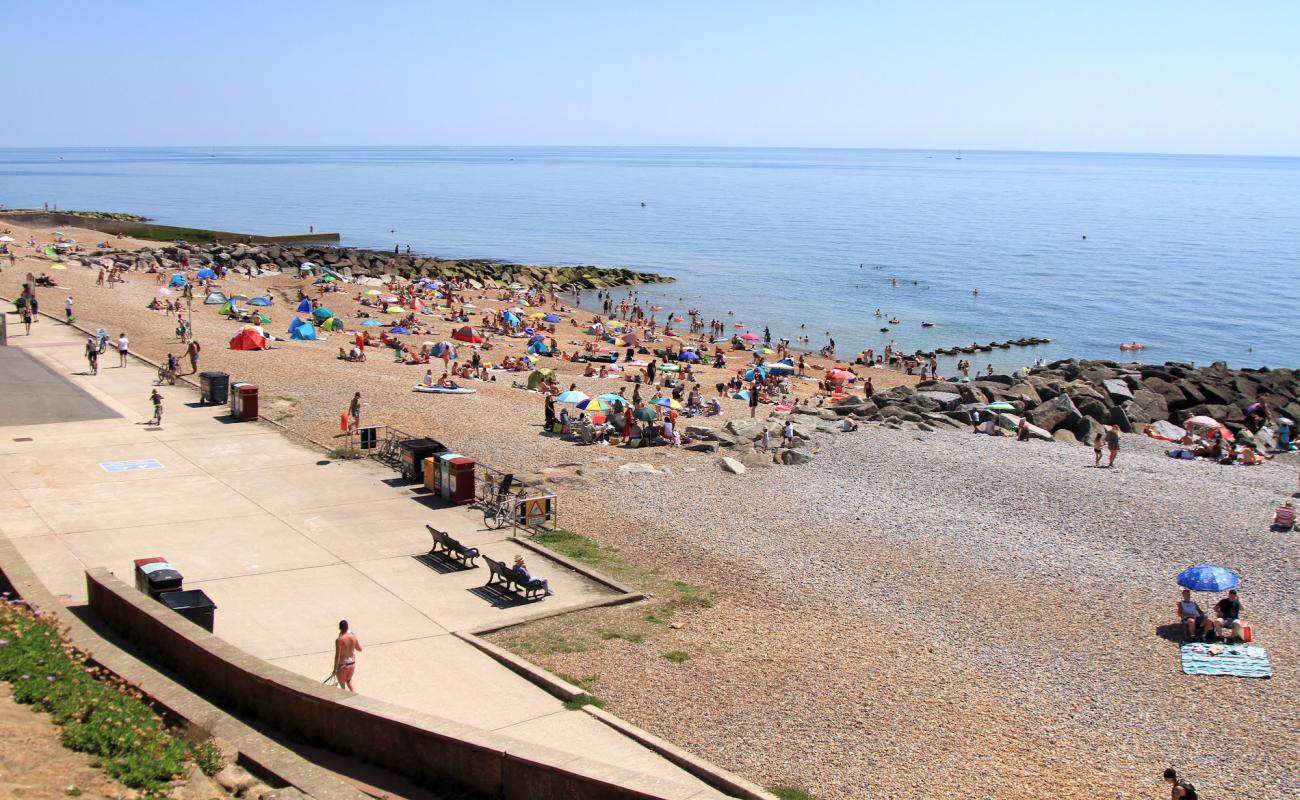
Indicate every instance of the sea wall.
{"type": "Point", "coordinates": [141, 228]}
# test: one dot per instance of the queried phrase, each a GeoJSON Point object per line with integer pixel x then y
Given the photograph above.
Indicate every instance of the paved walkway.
{"type": "Point", "coordinates": [285, 543]}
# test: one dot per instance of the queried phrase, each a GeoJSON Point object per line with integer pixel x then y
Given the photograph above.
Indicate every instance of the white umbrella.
{"type": "Point", "coordinates": [6, 238]}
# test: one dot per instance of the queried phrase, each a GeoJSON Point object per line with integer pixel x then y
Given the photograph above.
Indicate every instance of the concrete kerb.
{"type": "Point", "coordinates": [254, 748]}
{"type": "Point", "coordinates": [576, 566]}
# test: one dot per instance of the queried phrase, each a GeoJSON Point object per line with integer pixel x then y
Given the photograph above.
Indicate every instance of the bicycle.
{"type": "Point", "coordinates": [498, 502]}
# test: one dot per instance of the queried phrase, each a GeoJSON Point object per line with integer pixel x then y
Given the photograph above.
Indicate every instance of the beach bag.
{"type": "Point", "coordinates": [557, 428]}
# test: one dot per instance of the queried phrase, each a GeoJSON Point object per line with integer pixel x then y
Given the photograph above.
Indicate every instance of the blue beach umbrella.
{"type": "Point", "coordinates": [372, 323]}
{"type": "Point", "coordinates": [551, 318]}
{"type": "Point", "coordinates": [205, 273]}
{"type": "Point", "coordinates": [571, 397]}
{"type": "Point", "coordinates": [1207, 578]}
{"type": "Point", "coordinates": [611, 398]}
{"type": "Point", "coordinates": [260, 301]}
{"type": "Point", "coordinates": [398, 330]}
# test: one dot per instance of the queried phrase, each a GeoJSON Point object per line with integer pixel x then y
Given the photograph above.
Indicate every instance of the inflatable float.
{"type": "Point", "coordinates": [443, 389]}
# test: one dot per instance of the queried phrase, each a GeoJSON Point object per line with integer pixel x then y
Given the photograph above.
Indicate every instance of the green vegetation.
{"type": "Point", "coordinates": [584, 700]}
{"type": "Point", "coordinates": [634, 638]}
{"type": "Point", "coordinates": [98, 713]}
{"type": "Point", "coordinates": [677, 656]}
{"type": "Point", "coordinates": [790, 793]}
{"type": "Point", "coordinates": [344, 452]}
{"type": "Point", "coordinates": [527, 643]}
{"type": "Point", "coordinates": [582, 548]}
{"type": "Point", "coordinates": [168, 233]}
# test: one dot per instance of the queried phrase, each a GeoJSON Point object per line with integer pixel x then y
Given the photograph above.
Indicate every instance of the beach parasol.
{"type": "Point", "coordinates": [548, 318]}
{"type": "Point", "coordinates": [669, 368]}
{"type": "Point", "coordinates": [398, 330]}
{"type": "Point", "coordinates": [394, 310]}
{"type": "Point", "coordinates": [537, 315]}
{"type": "Point", "coordinates": [205, 273]}
{"type": "Point", "coordinates": [236, 298]}
{"type": "Point", "coordinates": [749, 337]}
{"type": "Point", "coordinates": [372, 291]}
{"type": "Point", "coordinates": [689, 356]}
{"type": "Point", "coordinates": [840, 375]}
{"type": "Point", "coordinates": [668, 402]}
{"type": "Point", "coordinates": [389, 298]}
{"type": "Point", "coordinates": [307, 266]}
{"type": "Point", "coordinates": [6, 238]}
{"type": "Point", "coordinates": [781, 368]}
{"type": "Point", "coordinates": [646, 414]}
{"type": "Point", "coordinates": [572, 397]}
{"type": "Point", "coordinates": [1206, 427]}
{"type": "Point", "coordinates": [611, 398]}
{"type": "Point", "coordinates": [372, 323]}
{"type": "Point", "coordinates": [327, 279]}
{"type": "Point", "coordinates": [1207, 578]}
{"type": "Point", "coordinates": [595, 405]}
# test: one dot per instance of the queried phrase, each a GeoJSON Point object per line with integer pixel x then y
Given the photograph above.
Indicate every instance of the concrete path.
{"type": "Point", "coordinates": [285, 542]}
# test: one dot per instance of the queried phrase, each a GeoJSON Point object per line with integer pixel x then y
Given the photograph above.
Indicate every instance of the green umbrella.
{"type": "Point", "coordinates": [646, 414]}
{"type": "Point", "coordinates": [1001, 405]}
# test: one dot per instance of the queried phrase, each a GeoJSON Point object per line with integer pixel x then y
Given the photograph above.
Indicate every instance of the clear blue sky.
{"type": "Point", "coordinates": [1148, 76]}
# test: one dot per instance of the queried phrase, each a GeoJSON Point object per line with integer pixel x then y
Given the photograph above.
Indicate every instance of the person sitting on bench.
{"type": "Point", "coordinates": [521, 570]}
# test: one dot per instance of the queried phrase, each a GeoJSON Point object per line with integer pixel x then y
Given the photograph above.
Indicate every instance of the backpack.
{"type": "Point", "coordinates": [1189, 791]}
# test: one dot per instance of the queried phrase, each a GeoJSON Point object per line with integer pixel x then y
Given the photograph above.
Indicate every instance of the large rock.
{"type": "Point", "coordinates": [1025, 392]}
{"type": "Point", "coordinates": [1118, 390]}
{"type": "Point", "coordinates": [943, 401]}
{"type": "Point", "coordinates": [796, 457]}
{"type": "Point", "coordinates": [1146, 406]}
{"type": "Point", "coordinates": [1011, 423]}
{"type": "Point", "coordinates": [1167, 430]}
{"type": "Point", "coordinates": [731, 465]}
{"type": "Point", "coordinates": [639, 468]}
{"type": "Point", "coordinates": [745, 428]}
{"type": "Point", "coordinates": [1118, 417]}
{"type": "Point", "coordinates": [703, 447]}
{"type": "Point", "coordinates": [1065, 436]}
{"type": "Point", "coordinates": [1059, 412]}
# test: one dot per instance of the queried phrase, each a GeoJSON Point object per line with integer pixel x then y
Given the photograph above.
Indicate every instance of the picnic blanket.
{"type": "Point", "coordinates": [1242, 660]}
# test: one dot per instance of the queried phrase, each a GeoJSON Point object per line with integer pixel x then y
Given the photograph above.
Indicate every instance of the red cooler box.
{"type": "Point", "coordinates": [459, 486]}
{"type": "Point", "coordinates": [243, 402]}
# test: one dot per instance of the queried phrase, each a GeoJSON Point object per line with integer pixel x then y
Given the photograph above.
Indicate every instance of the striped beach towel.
{"type": "Point", "coordinates": [1241, 660]}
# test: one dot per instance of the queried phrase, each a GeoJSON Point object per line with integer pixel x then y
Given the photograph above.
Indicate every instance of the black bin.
{"type": "Point", "coordinates": [162, 581]}
{"type": "Point", "coordinates": [414, 452]}
{"type": "Point", "coordinates": [214, 387]}
{"type": "Point", "coordinates": [193, 604]}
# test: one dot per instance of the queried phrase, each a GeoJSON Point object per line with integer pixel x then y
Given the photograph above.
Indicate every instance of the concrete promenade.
{"type": "Point", "coordinates": [285, 542]}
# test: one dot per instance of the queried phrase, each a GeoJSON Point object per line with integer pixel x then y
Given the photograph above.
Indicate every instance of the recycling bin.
{"type": "Point", "coordinates": [155, 576]}
{"type": "Point", "coordinates": [243, 402]}
{"type": "Point", "coordinates": [431, 474]}
{"type": "Point", "coordinates": [194, 605]}
{"type": "Point", "coordinates": [458, 484]}
{"type": "Point", "coordinates": [214, 388]}
{"type": "Point", "coordinates": [414, 451]}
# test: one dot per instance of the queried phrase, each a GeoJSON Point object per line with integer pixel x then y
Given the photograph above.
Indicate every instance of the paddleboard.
{"type": "Point", "coordinates": [443, 390]}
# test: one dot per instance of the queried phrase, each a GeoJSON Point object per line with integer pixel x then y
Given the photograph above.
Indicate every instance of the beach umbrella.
{"type": "Point", "coordinates": [264, 319]}
{"type": "Point", "coordinates": [248, 339]}
{"type": "Point", "coordinates": [235, 298]}
{"type": "Point", "coordinates": [551, 318]}
{"type": "Point", "coordinates": [840, 375]}
{"type": "Point", "coordinates": [394, 310]}
{"type": "Point", "coordinates": [322, 313]}
{"type": "Point", "coordinates": [749, 337]}
{"type": "Point", "coordinates": [1207, 578]}
{"type": "Point", "coordinates": [205, 273]}
{"type": "Point", "coordinates": [537, 315]}
{"type": "Point", "coordinates": [595, 405]}
{"type": "Point", "coordinates": [327, 279]}
{"type": "Point", "coordinates": [307, 266]}
{"type": "Point", "coordinates": [669, 368]}
{"type": "Point", "coordinates": [260, 301]}
{"type": "Point", "coordinates": [611, 398]}
{"type": "Point", "coordinates": [1206, 427]}
{"type": "Point", "coordinates": [6, 238]}
{"type": "Point", "coordinates": [1001, 405]}
{"type": "Point", "coordinates": [668, 402]}
{"type": "Point", "coordinates": [372, 291]}
{"type": "Point", "coordinates": [510, 317]}
{"type": "Point", "coordinates": [389, 298]}
{"type": "Point", "coordinates": [646, 414]}
{"type": "Point", "coordinates": [398, 330]}
{"type": "Point", "coordinates": [781, 368]}
{"type": "Point", "coordinates": [765, 351]}
{"type": "Point", "coordinates": [572, 397]}
{"type": "Point", "coordinates": [372, 323]}
{"type": "Point", "coordinates": [689, 356]}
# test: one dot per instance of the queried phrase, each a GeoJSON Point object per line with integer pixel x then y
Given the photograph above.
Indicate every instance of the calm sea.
{"type": "Point", "coordinates": [1196, 256]}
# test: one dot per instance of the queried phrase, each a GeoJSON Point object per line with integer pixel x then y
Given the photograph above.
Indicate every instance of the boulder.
{"type": "Point", "coordinates": [699, 432]}
{"type": "Point", "coordinates": [731, 465]}
{"type": "Point", "coordinates": [746, 428]}
{"type": "Point", "coordinates": [1146, 406]}
{"type": "Point", "coordinates": [942, 401]}
{"type": "Point", "coordinates": [1118, 390]}
{"type": "Point", "coordinates": [851, 400]}
{"type": "Point", "coordinates": [1118, 417]}
{"type": "Point", "coordinates": [795, 457]}
{"type": "Point", "coordinates": [639, 468]}
{"type": "Point", "coordinates": [1025, 392]}
{"type": "Point", "coordinates": [1087, 430]}
{"type": "Point", "coordinates": [1092, 407]}
{"type": "Point", "coordinates": [1167, 430]}
{"type": "Point", "coordinates": [703, 447]}
{"type": "Point", "coordinates": [1059, 412]}
{"type": "Point", "coordinates": [1064, 435]}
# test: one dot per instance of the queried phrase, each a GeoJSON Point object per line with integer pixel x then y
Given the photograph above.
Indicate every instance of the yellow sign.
{"type": "Point", "coordinates": [534, 511]}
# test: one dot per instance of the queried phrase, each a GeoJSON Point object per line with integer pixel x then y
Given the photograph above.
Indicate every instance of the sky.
{"type": "Point", "coordinates": [1156, 76]}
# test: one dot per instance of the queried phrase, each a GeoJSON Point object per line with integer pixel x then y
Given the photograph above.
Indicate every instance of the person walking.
{"type": "Point", "coordinates": [67, 309]}
{"type": "Point", "coordinates": [753, 399]}
{"type": "Point", "coordinates": [157, 401]}
{"type": "Point", "coordinates": [1097, 442]}
{"type": "Point", "coordinates": [27, 319]}
{"type": "Point", "coordinates": [123, 349]}
{"type": "Point", "coordinates": [1112, 443]}
{"type": "Point", "coordinates": [346, 647]}
{"type": "Point", "coordinates": [354, 412]}
{"type": "Point", "coordinates": [192, 350]}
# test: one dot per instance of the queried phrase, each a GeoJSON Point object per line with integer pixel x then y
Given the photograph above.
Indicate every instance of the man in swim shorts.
{"type": "Point", "coordinates": [346, 647]}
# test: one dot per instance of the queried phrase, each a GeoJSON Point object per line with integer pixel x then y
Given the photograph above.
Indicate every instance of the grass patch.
{"type": "Point", "coordinates": [634, 638]}
{"type": "Point", "coordinates": [790, 793]}
{"type": "Point", "coordinates": [543, 644]}
{"type": "Point", "coordinates": [677, 656]}
{"type": "Point", "coordinates": [343, 452]}
{"type": "Point", "coordinates": [581, 548]}
{"type": "Point", "coordinates": [587, 684]}
{"type": "Point", "coordinates": [584, 700]}
{"type": "Point", "coordinates": [97, 713]}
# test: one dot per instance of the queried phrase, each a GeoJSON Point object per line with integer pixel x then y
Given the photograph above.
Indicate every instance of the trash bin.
{"type": "Point", "coordinates": [194, 605]}
{"type": "Point", "coordinates": [414, 451]}
{"type": "Point", "coordinates": [155, 577]}
{"type": "Point", "coordinates": [243, 402]}
{"type": "Point", "coordinates": [214, 387]}
{"type": "Point", "coordinates": [431, 474]}
{"type": "Point", "coordinates": [459, 488]}
{"type": "Point", "coordinates": [442, 478]}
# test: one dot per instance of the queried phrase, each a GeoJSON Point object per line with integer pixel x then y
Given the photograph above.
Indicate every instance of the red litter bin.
{"type": "Point", "coordinates": [243, 402]}
{"type": "Point", "coordinates": [460, 481]}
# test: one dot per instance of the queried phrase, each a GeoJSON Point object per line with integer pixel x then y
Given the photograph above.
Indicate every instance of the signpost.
{"type": "Point", "coordinates": [535, 512]}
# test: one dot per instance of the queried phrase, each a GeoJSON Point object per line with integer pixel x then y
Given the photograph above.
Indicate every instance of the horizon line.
{"type": "Point", "coordinates": [654, 147]}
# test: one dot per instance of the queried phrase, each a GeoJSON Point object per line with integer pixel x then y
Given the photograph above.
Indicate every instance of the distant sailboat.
{"type": "Point", "coordinates": [959, 155]}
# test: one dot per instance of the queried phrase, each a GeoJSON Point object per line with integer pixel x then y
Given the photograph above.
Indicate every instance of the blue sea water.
{"type": "Point", "coordinates": [1196, 256]}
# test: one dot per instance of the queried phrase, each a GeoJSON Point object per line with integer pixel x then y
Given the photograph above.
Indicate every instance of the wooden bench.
{"type": "Point", "coordinates": [504, 579]}
{"type": "Point", "coordinates": [445, 545]}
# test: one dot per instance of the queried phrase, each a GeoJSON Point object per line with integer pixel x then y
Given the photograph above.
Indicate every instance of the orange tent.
{"type": "Point", "coordinates": [467, 334]}
{"type": "Point", "coordinates": [248, 339]}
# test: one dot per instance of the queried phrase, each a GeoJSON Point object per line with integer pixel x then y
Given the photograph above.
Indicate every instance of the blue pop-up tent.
{"type": "Point", "coordinates": [303, 331]}
{"type": "Point", "coordinates": [304, 307]}
{"type": "Point", "coordinates": [215, 299]}
{"type": "Point", "coordinates": [178, 280]}
{"type": "Point", "coordinates": [294, 323]}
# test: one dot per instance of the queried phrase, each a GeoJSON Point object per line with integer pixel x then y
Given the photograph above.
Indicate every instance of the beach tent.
{"type": "Point", "coordinates": [467, 334]}
{"type": "Point", "coordinates": [177, 280]}
{"type": "Point", "coordinates": [322, 313]}
{"type": "Point", "coordinates": [332, 324]}
{"type": "Point", "coordinates": [304, 331]}
{"type": "Point", "coordinates": [260, 301]}
{"type": "Point", "coordinates": [248, 339]}
{"type": "Point", "coordinates": [215, 299]}
{"type": "Point", "coordinates": [443, 347]}
{"type": "Point", "coordinates": [538, 349]}
{"type": "Point", "coordinates": [205, 273]}
{"type": "Point", "coordinates": [227, 309]}
{"type": "Point", "coordinates": [294, 323]}
{"type": "Point", "coordinates": [398, 329]}
{"type": "Point", "coordinates": [371, 323]}
{"type": "Point", "coordinates": [304, 307]}
{"type": "Point", "coordinates": [540, 376]}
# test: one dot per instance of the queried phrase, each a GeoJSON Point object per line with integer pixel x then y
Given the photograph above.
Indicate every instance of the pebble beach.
{"type": "Point", "coordinates": [910, 615]}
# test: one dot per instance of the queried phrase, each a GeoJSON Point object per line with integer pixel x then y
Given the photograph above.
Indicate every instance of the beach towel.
{"type": "Point", "coordinates": [1241, 660]}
